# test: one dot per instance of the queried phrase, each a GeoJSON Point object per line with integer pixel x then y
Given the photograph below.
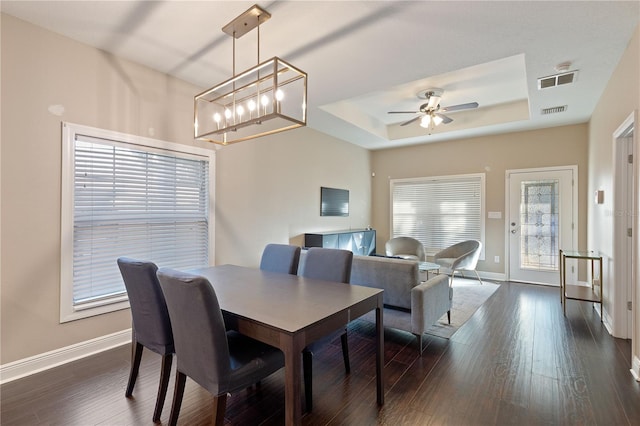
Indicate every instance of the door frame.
{"type": "Point", "coordinates": [507, 204]}
{"type": "Point", "coordinates": [620, 318]}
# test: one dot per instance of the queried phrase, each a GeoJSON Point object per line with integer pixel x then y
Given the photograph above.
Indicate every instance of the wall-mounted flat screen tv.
{"type": "Point", "coordinates": [334, 202]}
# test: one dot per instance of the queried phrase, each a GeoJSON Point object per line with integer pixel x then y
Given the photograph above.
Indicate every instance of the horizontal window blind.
{"type": "Point", "coordinates": [130, 201]}
{"type": "Point", "coordinates": [438, 212]}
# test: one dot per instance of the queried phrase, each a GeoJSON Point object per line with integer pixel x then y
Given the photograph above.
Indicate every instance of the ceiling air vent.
{"type": "Point", "coordinates": [553, 110]}
{"type": "Point", "coordinates": [557, 79]}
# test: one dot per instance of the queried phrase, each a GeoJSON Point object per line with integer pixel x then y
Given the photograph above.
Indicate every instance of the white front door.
{"type": "Point", "coordinates": [541, 222]}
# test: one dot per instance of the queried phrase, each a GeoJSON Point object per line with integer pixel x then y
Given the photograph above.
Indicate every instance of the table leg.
{"type": "Point", "coordinates": [379, 353]}
{"type": "Point", "coordinates": [292, 347]}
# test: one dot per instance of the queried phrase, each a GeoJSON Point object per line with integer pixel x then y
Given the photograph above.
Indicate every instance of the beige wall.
{"type": "Point", "coordinates": [620, 98]}
{"type": "Point", "coordinates": [493, 155]}
{"type": "Point", "coordinates": [267, 190]}
{"type": "Point", "coordinates": [40, 69]}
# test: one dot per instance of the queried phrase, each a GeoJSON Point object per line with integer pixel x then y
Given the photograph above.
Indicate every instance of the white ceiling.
{"type": "Point", "coordinates": [365, 58]}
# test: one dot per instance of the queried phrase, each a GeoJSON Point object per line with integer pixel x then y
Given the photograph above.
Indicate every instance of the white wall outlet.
{"type": "Point", "coordinates": [496, 259]}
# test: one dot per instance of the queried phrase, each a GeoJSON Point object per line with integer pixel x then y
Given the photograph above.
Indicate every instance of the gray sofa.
{"type": "Point", "coordinates": [424, 302]}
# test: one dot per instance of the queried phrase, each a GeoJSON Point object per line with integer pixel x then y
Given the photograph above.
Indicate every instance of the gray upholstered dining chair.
{"type": "Point", "coordinates": [460, 257]}
{"type": "Point", "coordinates": [328, 265]}
{"type": "Point", "coordinates": [406, 248]}
{"type": "Point", "coordinates": [280, 258]}
{"type": "Point", "coordinates": [220, 361]}
{"type": "Point", "coordinates": [151, 325]}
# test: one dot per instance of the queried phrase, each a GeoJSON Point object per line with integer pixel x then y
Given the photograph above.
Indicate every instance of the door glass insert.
{"type": "Point", "coordinates": [539, 223]}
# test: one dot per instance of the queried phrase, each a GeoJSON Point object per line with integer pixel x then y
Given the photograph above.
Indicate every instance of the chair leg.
{"type": "Point", "coordinates": [419, 339]}
{"type": "Point", "coordinates": [136, 357]}
{"type": "Point", "coordinates": [307, 358]}
{"type": "Point", "coordinates": [162, 387]}
{"type": "Point", "coordinates": [178, 392]}
{"type": "Point", "coordinates": [478, 276]}
{"type": "Point", "coordinates": [345, 352]}
{"type": "Point", "coordinates": [449, 317]}
{"type": "Point", "coordinates": [219, 405]}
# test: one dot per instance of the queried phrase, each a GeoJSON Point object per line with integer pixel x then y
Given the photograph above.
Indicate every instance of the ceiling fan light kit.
{"type": "Point", "coordinates": [431, 119]}
{"type": "Point", "coordinates": [268, 98]}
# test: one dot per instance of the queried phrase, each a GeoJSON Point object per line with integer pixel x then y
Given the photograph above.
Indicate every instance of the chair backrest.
{"type": "Point", "coordinates": [199, 331]}
{"type": "Point", "coordinates": [470, 249]}
{"type": "Point", "coordinates": [327, 264]}
{"type": "Point", "coordinates": [405, 246]}
{"type": "Point", "coordinates": [466, 254]}
{"type": "Point", "coordinates": [280, 258]}
{"type": "Point", "coordinates": [151, 324]}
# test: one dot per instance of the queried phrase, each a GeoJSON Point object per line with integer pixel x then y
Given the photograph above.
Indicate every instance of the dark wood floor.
{"type": "Point", "coordinates": [516, 361]}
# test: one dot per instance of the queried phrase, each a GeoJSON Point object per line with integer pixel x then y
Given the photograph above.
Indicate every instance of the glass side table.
{"type": "Point", "coordinates": [427, 267]}
{"type": "Point", "coordinates": [591, 293]}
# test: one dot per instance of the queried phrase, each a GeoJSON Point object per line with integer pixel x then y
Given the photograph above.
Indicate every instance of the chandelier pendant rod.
{"type": "Point", "coordinates": [258, 80]}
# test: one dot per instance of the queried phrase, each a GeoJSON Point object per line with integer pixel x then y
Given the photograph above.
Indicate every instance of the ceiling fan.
{"type": "Point", "coordinates": [431, 113]}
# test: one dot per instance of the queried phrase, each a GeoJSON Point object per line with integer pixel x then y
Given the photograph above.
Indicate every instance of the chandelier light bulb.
{"type": "Point", "coordinates": [264, 101]}
{"type": "Point", "coordinates": [217, 117]}
{"type": "Point", "coordinates": [240, 111]}
{"type": "Point", "coordinates": [227, 113]}
{"type": "Point", "coordinates": [279, 95]}
{"type": "Point", "coordinates": [425, 121]}
{"type": "Point", "coordinates": [251, 105]}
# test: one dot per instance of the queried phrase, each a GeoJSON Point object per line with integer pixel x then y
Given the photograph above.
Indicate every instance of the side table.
{"type": "Point", "coordinates": [591, 293]}
{"type": "Point", "coordinates": [429, 267]}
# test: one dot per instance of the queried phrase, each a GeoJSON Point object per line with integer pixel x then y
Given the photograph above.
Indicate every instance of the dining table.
{"type": "Point", "coordinates": [289, 312]}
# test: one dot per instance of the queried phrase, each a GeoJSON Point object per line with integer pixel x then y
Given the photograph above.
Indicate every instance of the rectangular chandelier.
{"type": "Point", "coordinates": [268, 98]}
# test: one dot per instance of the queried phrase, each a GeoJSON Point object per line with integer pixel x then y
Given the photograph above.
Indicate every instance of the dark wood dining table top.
{"type": "Point", "coordinates": [287, 302]}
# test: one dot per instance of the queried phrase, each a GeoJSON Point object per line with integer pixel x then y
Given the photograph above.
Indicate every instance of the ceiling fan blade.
{"type": "Point", "coordinates": [459, 107]}
{"type": "Point", "coordinates": [411, 121]}
{"type": "Point", "coordinates": [403, 112]}
{"type": "Point", "coordinates": [445, 119]}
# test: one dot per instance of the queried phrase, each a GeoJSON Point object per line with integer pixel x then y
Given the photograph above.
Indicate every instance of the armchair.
{"type": "Point", "coordinates": [406, 248]}
{"type": "Point", "coordinates": [460, 257]}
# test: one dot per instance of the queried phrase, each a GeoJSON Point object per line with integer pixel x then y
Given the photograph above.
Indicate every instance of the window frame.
{"type": "Point", "coordinates": [430, 251]}
{"type": "Point", "coordinates": [69, 312]}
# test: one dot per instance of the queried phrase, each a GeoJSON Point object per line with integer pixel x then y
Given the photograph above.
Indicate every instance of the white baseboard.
{"type": "Point", "coordinates": [493, 276]}
{"type": "Point", "coordinates": [606, 319]}
{"type": "Point", "coordinates": [635, 368]}
{"type": "Point", "coordinates": [27, 366]}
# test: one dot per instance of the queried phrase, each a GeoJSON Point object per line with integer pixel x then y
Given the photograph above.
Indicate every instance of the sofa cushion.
{"type": "Point", "coordinates": [397, 277]}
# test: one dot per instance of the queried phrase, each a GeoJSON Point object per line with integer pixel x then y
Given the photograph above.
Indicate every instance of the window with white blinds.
{"type": "Point", "coordinates": [129, 197]}
{"type": "Point", "coordinates": [439, 211]}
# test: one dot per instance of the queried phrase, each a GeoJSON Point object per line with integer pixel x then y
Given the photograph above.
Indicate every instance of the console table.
{"type": "Point", "coordinates": [581, 292]}
{"type": "Point", "coordinates": [359, 241]}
